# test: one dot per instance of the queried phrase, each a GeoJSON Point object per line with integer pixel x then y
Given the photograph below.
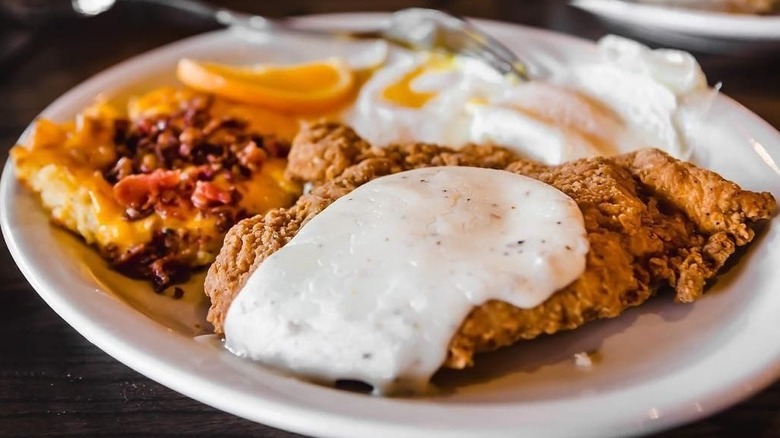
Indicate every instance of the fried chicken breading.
{"type": "Point", "coordinates": [652, 222]}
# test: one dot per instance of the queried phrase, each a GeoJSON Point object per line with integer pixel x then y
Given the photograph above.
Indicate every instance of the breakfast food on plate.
{"type": "Point", "coordinates": [309, 87]}
{"type": "Point", "coordinates": [156, 189]}
{"type": "Point", "coordinates": [626, 98]}
{"type": "Point", "coordinates": [650, 221]}
{"type": "Point", "coordinates": [546, 210]}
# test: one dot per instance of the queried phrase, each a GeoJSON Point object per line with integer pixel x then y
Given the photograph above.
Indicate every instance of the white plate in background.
{"type": "Point", "coordinates": [661, 364]}
{"type": "Point", "coordinates": [690, 29]}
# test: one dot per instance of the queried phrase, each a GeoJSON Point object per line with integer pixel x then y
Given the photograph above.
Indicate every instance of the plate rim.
{"type": "Point", "coordinates": [150, 365]}
{"type": "Point", "coordinates": [688, 22]}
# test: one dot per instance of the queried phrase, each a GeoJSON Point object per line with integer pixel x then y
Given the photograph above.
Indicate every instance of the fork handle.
{"type": "Point", "coordinates": [224, 16]}
{"type": "Point", "coordinates": [244, 21]}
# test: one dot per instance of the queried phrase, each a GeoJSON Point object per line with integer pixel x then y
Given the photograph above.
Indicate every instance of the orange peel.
{"type": "Point", "coordinates": [298, 88]}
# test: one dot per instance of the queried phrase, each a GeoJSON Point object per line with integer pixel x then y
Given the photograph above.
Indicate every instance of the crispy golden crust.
{"type": "Point", "coordinates": [652, 221]}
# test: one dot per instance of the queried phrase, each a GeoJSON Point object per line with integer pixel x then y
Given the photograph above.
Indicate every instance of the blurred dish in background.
{"type": "Point", "coordinates": [713, 31]}
{"type": "Point", "coordinates": [730, 6]}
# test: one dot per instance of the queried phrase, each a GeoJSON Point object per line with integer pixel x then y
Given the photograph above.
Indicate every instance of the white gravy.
{"type": "Point", "coordinates": [375, 286]}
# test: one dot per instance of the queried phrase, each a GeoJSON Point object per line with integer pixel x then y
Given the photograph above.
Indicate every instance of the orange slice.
{"type": "Point", "coordinates": [295, 88]}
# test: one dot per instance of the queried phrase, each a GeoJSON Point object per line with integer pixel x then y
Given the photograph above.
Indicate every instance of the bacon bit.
{"type": "Point", "coordinates": [140, 191]}
{"type": "Point", "coordinates": [251, 156]}
{"type": "Point", "coordinates": [207, 194]}
{"type": "Point", "coordinates": [166, 164]}
{"type": "Point", "coordinates": [121, 126]}
{"type": "Point", "coordinates": [274, 146]}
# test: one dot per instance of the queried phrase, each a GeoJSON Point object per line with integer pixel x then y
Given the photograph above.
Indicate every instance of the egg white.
{"type": "Point", "coordinates": [633, 97]}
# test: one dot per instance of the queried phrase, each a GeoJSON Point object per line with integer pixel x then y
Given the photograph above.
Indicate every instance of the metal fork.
{"type": "Point", "coordinates": [415, 28]}
{"type": "Point", "coordinates": [431, 29]}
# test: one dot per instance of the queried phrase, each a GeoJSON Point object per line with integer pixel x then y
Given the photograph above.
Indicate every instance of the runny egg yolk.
{"type": "Point", "coordinates": [402, 92]}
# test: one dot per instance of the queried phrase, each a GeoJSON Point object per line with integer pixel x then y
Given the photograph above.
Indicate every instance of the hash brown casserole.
{"type": "Point", "coordinates": [155, 190]}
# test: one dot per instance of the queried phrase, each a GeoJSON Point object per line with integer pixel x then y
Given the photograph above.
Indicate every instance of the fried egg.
{"type": "Point", "coordinates": [632, 97]}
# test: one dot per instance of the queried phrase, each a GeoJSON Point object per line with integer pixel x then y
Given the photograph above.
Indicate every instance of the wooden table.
{"type": "Point", "coordinates": [54, 382]}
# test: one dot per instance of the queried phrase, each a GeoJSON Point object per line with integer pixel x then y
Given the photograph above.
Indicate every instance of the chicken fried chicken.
{"type": "Point", "coordinates": [653, 222]}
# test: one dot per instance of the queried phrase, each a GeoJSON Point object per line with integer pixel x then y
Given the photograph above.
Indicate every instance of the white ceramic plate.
{"type": "Point", "coordinates": [661, 364]}
{"type": "Point", "coordinates": [690, 29]}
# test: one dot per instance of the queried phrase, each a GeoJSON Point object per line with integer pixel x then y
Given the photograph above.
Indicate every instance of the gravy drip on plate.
{"type": "Point", "coordinates": [375, 286]}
